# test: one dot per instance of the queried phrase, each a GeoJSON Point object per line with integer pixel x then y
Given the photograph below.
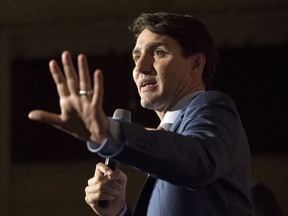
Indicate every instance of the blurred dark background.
{"type": "Point", "coordinates": [49, 168]}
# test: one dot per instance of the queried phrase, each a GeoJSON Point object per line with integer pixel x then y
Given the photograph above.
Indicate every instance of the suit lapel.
{"type": "Point", "coordinates": [144, 197]}
{"type": "Point", "coordinates": [178, 120]}
{"type": "Point", "coordinates": [146, 192]}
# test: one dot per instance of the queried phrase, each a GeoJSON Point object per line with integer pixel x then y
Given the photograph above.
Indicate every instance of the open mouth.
{"type": "Point", "coordinates": [147, 83]}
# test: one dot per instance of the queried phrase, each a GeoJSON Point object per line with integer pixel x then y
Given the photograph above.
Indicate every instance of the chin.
{"type": "Point", "coordinates": [146, 104]}
{"type": "Point", "coordinates": [149, 104]}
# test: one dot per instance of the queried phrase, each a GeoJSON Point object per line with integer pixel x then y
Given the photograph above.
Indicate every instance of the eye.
{"type": "Point", "coordinates": [159, 53]}
{"type": "Point", "coordinates": [136, 58]}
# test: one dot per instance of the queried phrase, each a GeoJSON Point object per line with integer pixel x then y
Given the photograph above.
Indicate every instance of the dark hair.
{"type": "Point", "coordinates": [189, 32]}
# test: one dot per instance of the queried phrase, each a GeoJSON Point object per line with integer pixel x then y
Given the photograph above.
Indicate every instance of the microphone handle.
{"type": "Point", "coordinates": [120, 115]}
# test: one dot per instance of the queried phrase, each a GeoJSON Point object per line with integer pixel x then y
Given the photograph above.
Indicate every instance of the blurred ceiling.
{"type": "Point", "coordinates": [34, 28]}
{"type": "Point", "coordinates": [33, 12]}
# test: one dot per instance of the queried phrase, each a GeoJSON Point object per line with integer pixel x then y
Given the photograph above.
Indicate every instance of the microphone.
{"type": "Point", "coordinates": [119, 115]}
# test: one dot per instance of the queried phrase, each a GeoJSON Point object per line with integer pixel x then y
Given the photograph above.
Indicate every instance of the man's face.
{"type": "Point", "coordinates": [162, 75]}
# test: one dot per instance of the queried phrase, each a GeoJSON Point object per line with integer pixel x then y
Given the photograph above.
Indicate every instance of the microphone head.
{"type": "Point", "coordinates": [122, 115]}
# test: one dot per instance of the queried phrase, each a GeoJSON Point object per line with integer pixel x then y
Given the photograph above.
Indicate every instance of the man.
{"type": "Point", "coordinates": [199, 164]}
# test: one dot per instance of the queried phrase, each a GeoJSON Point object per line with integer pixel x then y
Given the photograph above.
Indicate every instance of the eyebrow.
{"type": "Point", "coordinates": [149, 46]}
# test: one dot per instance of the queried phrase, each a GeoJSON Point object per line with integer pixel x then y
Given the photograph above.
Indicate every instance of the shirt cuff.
{"type": "Point", "coordinates": [111, 145]}
{"type": "Point", "coordinates": [122, 213]}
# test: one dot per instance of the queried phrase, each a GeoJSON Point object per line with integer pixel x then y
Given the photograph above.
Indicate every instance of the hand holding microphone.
{"type": "Point", "coordinates": [104, 185]}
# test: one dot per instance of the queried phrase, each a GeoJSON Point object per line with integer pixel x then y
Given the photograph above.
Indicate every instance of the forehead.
{"type": "Point", "coordinates": [148, 39]}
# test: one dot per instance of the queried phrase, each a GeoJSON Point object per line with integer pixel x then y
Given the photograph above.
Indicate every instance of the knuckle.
{"type": "Point", "coordinates": [89, 182]}
{"type": "Point", "coordinates": [87, 199]}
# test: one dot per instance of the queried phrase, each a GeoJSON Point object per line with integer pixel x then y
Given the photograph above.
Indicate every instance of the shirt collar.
{"type": "Point", "coordinates": [170, 116]}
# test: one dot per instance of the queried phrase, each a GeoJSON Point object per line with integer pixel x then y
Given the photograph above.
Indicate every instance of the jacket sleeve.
{"type": "Point", "coordinates": [205, 143]}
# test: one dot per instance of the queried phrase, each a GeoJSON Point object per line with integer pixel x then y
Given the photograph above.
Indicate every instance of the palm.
{"type": "Point", "coordinates": [81, 116]}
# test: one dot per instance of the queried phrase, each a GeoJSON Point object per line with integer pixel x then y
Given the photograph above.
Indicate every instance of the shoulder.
{"type": "Point", "coordinates": [211, 100]}
{"type": "Point", "coordinates": [212, 96]}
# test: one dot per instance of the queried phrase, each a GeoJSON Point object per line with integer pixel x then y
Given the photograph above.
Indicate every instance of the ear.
{"type": "Point", "coordinates": [198, 61]}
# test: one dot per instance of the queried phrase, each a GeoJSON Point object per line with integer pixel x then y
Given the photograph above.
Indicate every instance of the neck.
{"type": "Point", "coordinates": [160, 114]}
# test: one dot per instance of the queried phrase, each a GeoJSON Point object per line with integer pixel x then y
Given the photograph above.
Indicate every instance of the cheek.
{"type": "Point", "coordinates": [168, 73]}
{"type": "Point", "coordinates": [134, 75]}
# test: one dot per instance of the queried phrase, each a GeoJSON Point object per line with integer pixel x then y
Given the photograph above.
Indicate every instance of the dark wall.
{"type": "Point", "coordinates": [256, 78]}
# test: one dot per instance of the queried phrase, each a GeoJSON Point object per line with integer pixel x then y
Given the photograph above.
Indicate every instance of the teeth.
{"type": "Point", "coordinates": [148, 83]}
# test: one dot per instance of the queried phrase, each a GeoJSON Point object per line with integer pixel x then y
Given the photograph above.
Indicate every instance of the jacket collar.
{"type": "Point", "coordinates": [179, 118]}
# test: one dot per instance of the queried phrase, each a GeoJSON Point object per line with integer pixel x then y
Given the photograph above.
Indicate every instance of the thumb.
{"type": "Point", "coordinates": [44, 117]}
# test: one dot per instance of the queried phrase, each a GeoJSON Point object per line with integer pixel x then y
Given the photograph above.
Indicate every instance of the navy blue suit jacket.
{"type": "Point", "coordinates": [201, 166]}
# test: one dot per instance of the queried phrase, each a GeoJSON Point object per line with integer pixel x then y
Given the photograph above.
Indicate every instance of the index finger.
{"type": "Point", "coordinates": [97, 99]}
{"type": "Point", "coordinates": [103, 169]}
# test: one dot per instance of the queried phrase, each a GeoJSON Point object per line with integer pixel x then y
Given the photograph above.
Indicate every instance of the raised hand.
{"type": "Point", "coordinates": [82, 114]}
{"type": "Point", "coordinates": [106, 185]}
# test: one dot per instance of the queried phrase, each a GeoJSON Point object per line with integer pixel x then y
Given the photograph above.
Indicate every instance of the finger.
{"type": "Point", "coordinates": [97, 99]}
{"type": "Point", "coordinates": [59, 79]}
{"type": "Point", "coordinates": [45, 117]}
{"type": "Point", "coordinates": [94, 197]}
{"type": "Point", "coordinates": [56, 121]}
{"type": "Point", "coordinates": [84, 76]}
{"type": "Point", "coordinates": [102, 169]}
{"type": "Point", "coordinates": [70, 73]}
{"type": "Point", "coordinates": [92, 194]}
{"type": "Point", "coordinates": [94, 180]}
{"type": "Point", "coordinates": [118, 176]}
{"type": "Point", "coordinates": [111, 188]}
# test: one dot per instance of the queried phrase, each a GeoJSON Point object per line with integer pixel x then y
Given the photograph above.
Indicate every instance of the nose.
{"type": "Point", "coordinates": [144, 64]}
